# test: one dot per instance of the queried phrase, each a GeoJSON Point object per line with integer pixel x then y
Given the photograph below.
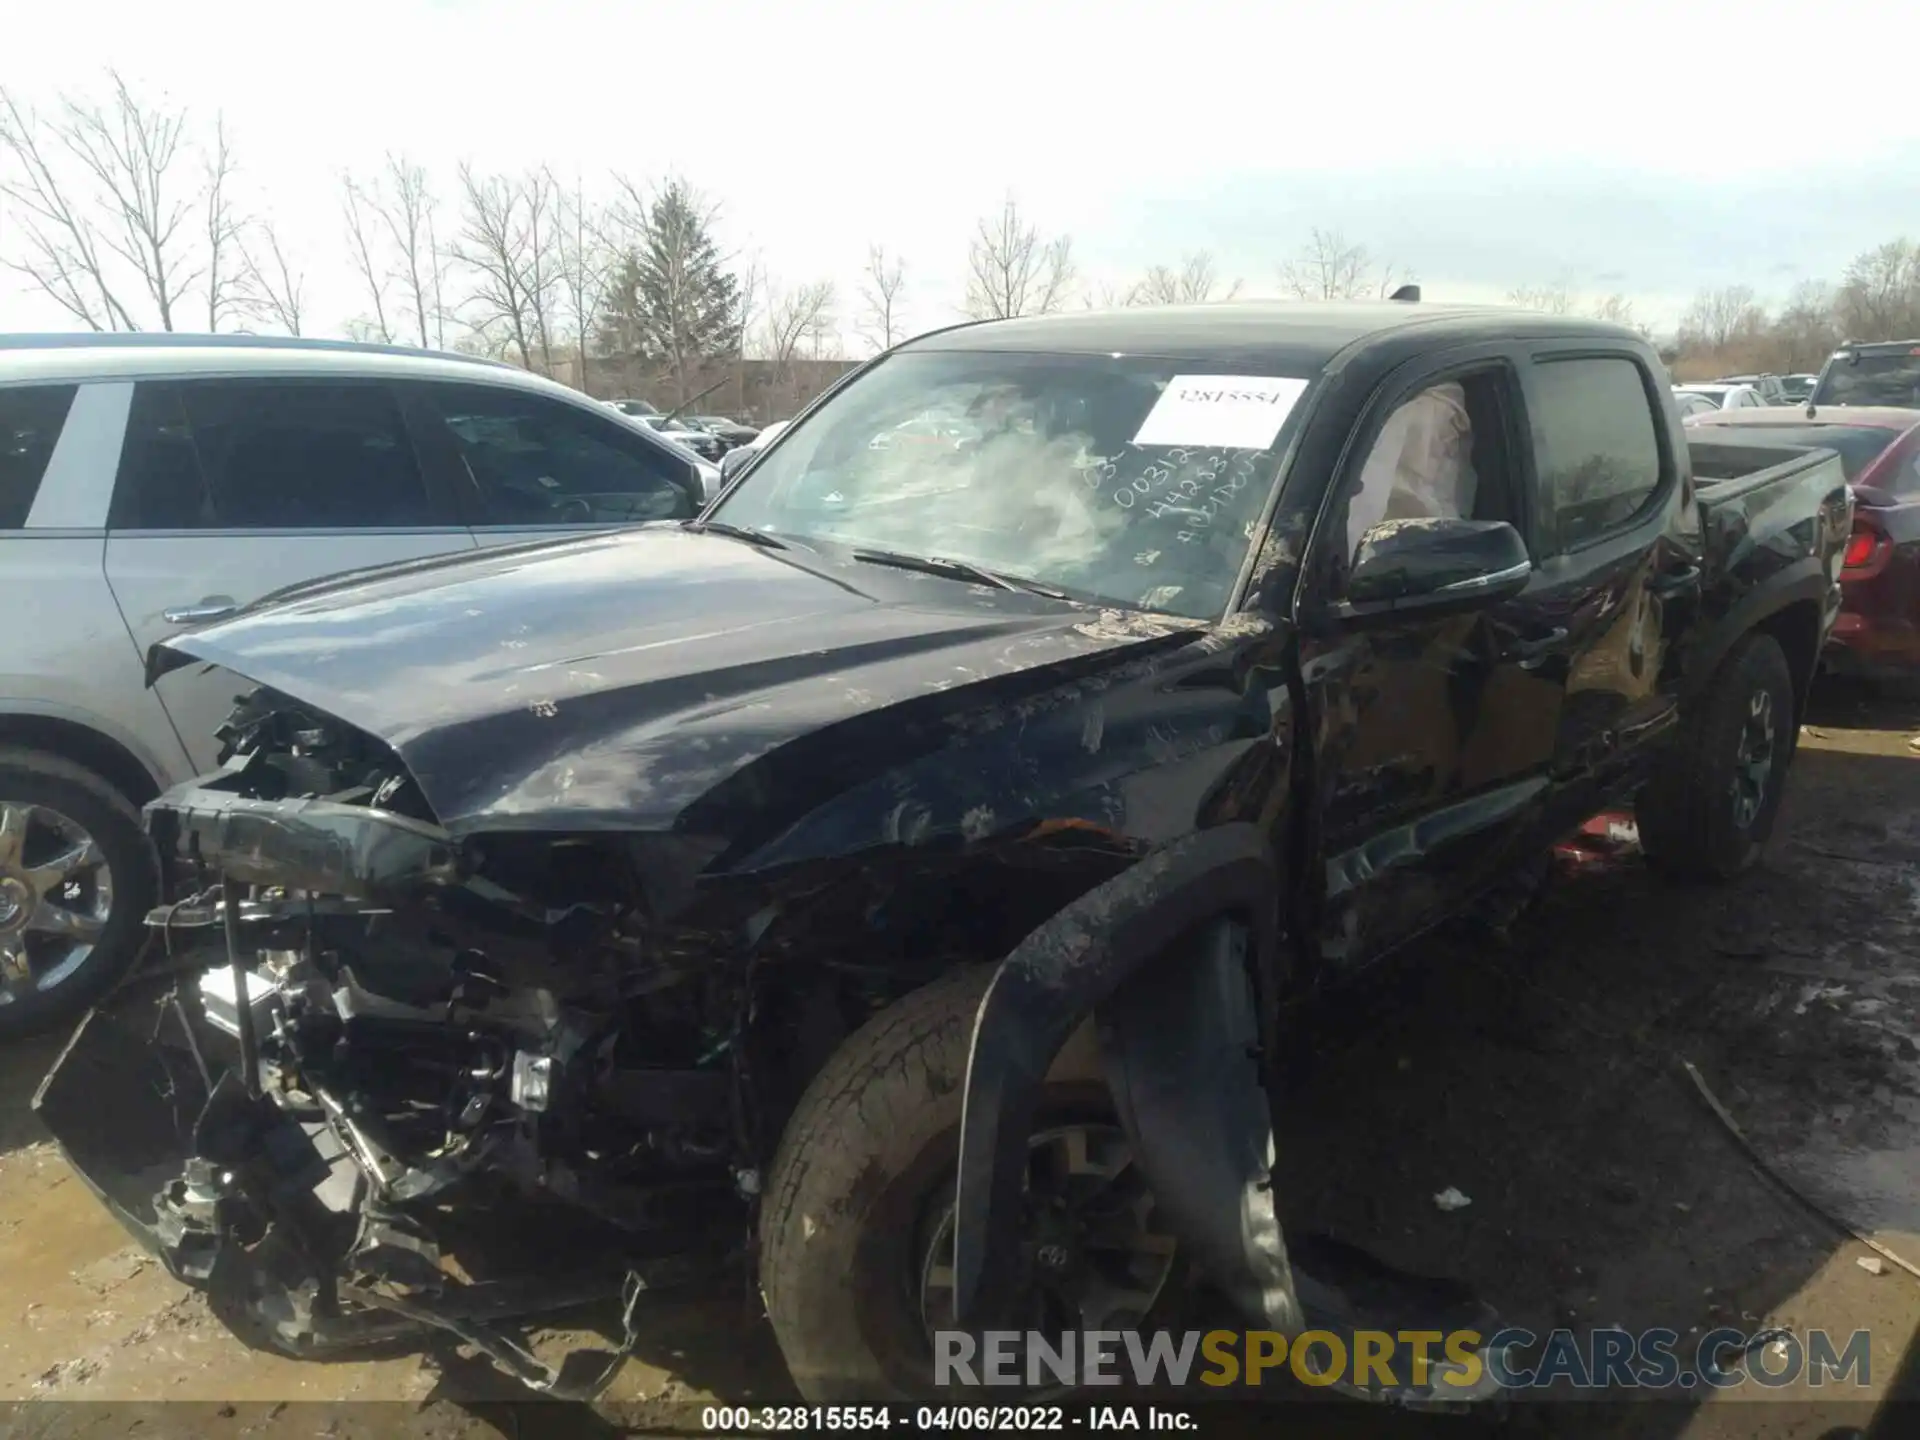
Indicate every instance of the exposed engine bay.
{"type": "Point", "coordinates": [455, 1087]}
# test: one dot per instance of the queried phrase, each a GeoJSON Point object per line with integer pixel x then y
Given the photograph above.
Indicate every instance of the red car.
{"type": "Point", "coordinates": [1878, 632]}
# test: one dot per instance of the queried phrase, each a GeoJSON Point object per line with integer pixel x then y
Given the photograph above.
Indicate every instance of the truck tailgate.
{"type": "Point", "coordinates": [1775, 520]}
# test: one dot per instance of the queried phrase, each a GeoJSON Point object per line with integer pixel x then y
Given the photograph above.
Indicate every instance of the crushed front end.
{"type": "Point", "coordinates": [375, 1081]}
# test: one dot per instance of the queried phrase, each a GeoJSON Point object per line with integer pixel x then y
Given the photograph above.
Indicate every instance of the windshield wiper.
{"type": "Point", "coordinates": [738, 532]}
{"type": "Point", "coordinates": [954, 570]}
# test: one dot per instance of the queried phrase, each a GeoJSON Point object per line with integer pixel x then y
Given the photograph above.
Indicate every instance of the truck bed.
{"type": "Point", "coordinates": [1774, 522]}
{"type": "Point", "coordinates": [1729, 467]}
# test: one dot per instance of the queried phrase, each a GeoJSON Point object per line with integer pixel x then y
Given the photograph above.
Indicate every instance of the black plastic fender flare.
{"type": "Point", "coordinates": [1052, 982]}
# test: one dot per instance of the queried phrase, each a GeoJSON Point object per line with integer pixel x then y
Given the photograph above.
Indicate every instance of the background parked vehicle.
{"type": "Point", "coordinates": [1797, 388]}
{"type": "Point", "coordinates": [1691, 404]}
{"type": "Point", "coordinates": [1769, 388]}
{"type": "Point", "coordinates": [1724, 397]}
{"type": "Point", "coordinates": [735, 460]}
{"type": "Point", "coordinates": [731, 432]}
{"type": "Point", "coordinates": [696, 442]}
{"type": "Point", "coordinates": [152, 483]}
{"type": "Point", "coordinates": [1887, 373]}
{"type": "Point", "coordinates": [1877, 634]}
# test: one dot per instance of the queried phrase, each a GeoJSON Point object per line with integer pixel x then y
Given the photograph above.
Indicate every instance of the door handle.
{"type": "Point", "coordinates": [1533, 653]}
{"type": "Point", "coordinates": [209, 609]}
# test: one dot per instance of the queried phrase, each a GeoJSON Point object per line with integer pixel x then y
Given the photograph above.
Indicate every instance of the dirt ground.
{"type": "Point", "coordinates": [1542, 1079]}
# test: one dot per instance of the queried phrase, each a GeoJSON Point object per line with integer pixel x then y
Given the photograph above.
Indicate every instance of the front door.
{"type": "Point", "coordinates": [1433, 736]}
{"type": "Point", "coordinates": [231, 489]}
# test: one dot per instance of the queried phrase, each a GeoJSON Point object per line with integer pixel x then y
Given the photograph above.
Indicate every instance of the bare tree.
{"type": "Point", "coordinates": [108, 204]}
{"type": "Point", "coordinates": [225, 278]}
{"type": "Point", "coordinates": [1193, 283]}
{"type": "Point", "coordinates": [793, 316]}
{"type": "Point", "coordinates": [404, 202]}
{"type": "Point", "coordinates": [269, 285]}
{"type": "Point", "coordinates": [752, 299]}
{"type": "Point", "coordinates": [1808, 328]}
{"type": "Point", "coordinates": [881, 286]}
{"type": "Point", "coordinates": [361, 214]}
{"type": "Point", "coordinates": [1328, 267]}
{"type": "Point", "coordinates": [1722, 317]}
{"type": "Point", "coordinates": [1012, 271]}
{"type": "Point", "coordinates": [63, 254]}
{"type": "Point", "coordinates": [131, 152]}
{"type": "Point", "coordinates": [1616, 308]}
{"type": "Point", "coordinates": [1879, 296]}
{"type": "Point", "coordinates": [1554, 299]}
{"type": "Point", "coordinates": [507, 242]}
{"type": "Point", "coordinates": [586, 264]}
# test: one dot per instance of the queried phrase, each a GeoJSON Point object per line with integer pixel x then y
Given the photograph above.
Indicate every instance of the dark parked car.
{"type": "Point", "coordinates": [912, 856]}
{"type": "Point", "coordinates": [1878, 633]}
{"type": "Point", "coordinates": [1885, 373]}
{"type": "Point", "coordinates": [731, 432]}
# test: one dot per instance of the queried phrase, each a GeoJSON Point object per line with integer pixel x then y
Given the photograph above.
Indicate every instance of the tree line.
{"type": "Point", "coordinates": [131, 214]}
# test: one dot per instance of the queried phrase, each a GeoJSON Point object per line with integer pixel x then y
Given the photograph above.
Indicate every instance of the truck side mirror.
{"type": "Point", "coordinates": [734, 461]}
{"type": "Point", "coordinates": [1429, 564]}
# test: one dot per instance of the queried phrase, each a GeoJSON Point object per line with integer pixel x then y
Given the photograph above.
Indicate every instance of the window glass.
{"type": "Point", "coordinates": [30, 421]}
{"type": "Point", "coordinates": [1884, 377]}
{"type": "Point", "coordinates": [538, 461]}
{"type": "Point", "coordinates": [1137, 480]}
{"type": "Point", "coordinates": [267, 455]}
{"type": "Point", "coordinates": [1595, 445]}
{"type": "Point", "coordinates": [1420, 465]}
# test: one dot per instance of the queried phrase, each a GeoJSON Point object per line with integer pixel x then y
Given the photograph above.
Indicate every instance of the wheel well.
{"type": "Point", "coordinates": [108, 759]}
{"type": "Point", "coordinates": [1796, 628]}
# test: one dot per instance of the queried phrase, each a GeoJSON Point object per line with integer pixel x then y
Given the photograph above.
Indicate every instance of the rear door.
{"type": "Point", "coordinates": [527, 466]}
{"type": "Point", "coordinates": [1615, 537]}
{"type": "Point", "coordinates": [229, 489]}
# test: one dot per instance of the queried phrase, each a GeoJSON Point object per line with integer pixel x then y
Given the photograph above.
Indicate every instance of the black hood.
{"type": "Point", "coordinates": [611, 682]}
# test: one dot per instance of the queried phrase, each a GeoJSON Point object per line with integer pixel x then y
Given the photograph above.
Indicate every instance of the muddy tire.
{"type": "Point", "coordinates": [862, 1181]}
{"type": "Point", "coordinates": [1708, 810]}
{"type": "Point", "coordinates": [72, 818]}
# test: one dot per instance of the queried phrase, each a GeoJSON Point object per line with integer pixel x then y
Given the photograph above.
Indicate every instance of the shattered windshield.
{"type": "Point", "coordinates": [1133, 480]}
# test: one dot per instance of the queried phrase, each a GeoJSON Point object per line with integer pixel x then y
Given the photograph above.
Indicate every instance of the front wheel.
{"type": "Point", "coordinates": [856, 1238]}
{"type": "Point", "coordinates": [1709, 808]}
{"type": "Point", "coordinates": [77, 877]}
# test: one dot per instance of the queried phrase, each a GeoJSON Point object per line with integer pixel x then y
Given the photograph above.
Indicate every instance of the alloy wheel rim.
{"type": "Point", "coordinates": [1093, 1255]}
{"type": "Point", "coordinates": [56, 892]}
{"type": "Point", "coordinates": [1753, 759]}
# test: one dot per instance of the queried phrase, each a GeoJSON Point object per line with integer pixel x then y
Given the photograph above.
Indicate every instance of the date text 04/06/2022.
{"type": "Point", "coordinates": [766, 1419]}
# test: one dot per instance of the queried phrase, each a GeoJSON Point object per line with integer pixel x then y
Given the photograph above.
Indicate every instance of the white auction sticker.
{"type": "Point", "coordinates": [1233, 412]}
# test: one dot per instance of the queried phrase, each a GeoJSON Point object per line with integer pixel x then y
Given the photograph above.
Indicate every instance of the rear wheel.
{"type": "Point", "coordinates": [77, 878]}
{"type": "Point", "coordinates": [856, 1238]}
{"type": "Point", "coordinates": [1709, 808]}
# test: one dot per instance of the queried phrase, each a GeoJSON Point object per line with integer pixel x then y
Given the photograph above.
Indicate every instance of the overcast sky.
{"type": "Point", "coordinates": [1629, 146]}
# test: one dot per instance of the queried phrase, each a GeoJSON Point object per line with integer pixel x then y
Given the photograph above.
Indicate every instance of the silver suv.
{"type": "Point", "coordinates": [149, 483]}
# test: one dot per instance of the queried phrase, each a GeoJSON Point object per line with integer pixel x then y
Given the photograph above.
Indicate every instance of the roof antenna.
{"type": "Point", "coordinates": [1406, 292]}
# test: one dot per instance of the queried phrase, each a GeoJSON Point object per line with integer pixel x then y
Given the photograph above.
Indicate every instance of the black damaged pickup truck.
{"type": "Point", "coordinates": [895, 877]}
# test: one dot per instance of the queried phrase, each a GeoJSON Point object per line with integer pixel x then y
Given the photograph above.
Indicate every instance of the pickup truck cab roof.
{"type": "Point", "coordinates": [1278, 333]}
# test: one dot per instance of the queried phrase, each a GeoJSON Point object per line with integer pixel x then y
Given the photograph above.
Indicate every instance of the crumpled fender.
{"type": "Point", "coordinates": [1081, 962]}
